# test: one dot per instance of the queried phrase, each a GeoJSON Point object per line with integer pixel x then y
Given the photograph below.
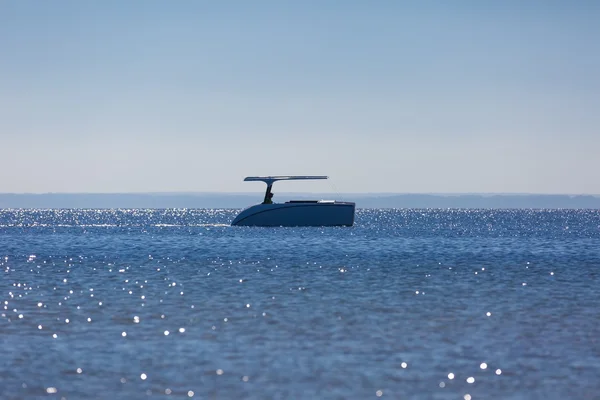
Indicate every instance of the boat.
{"type": "Point", "coordinates": [294, 212]}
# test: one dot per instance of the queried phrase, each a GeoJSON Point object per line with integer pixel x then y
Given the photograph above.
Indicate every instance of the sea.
{"type": "Point", "coordinates": [406, 304]}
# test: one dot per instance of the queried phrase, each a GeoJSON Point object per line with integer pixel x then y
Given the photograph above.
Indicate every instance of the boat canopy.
{"type": "Point", "coordinates": [270, 179]}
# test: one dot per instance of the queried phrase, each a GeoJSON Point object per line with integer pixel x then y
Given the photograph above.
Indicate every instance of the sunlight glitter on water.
{"type": "Point", "coordinates": [219, 287]}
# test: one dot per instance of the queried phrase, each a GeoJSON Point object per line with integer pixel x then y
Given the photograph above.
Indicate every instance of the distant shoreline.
{"type": "Point", "coordinates": [241, 200]}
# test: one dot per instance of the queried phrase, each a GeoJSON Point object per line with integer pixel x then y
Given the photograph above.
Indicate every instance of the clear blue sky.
{"type": "Point", "coordinates": [383, 96]}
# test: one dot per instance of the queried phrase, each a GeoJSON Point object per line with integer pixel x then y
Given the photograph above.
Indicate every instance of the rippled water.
{"type": "Point", "coordinates": [431, 304]}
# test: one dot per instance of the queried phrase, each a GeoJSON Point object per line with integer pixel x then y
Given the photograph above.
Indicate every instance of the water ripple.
{"type": "Point", "coordinates": [407, 303]}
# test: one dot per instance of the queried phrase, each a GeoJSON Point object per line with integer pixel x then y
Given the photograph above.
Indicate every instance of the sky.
{"type": "Point", "coordinates": [382, 96]}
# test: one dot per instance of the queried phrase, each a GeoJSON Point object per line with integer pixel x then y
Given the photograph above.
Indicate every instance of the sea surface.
{"type": "Point", "coordinates": [407, 304]}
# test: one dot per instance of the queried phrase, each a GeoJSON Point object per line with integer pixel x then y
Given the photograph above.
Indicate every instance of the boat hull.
{"type": "Point", "coordinates": [297, 214]}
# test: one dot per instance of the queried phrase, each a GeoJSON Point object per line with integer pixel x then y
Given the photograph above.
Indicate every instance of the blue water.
{"type": "Point", "coordinates": [418, 304]}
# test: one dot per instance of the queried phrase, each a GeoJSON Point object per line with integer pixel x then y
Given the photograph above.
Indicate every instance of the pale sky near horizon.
{"type": "Point", "coordinates": [382, 96]}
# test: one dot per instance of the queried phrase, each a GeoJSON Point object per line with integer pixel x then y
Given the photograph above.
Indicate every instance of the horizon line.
{"type": "Point", "coordinates": [307, 193]}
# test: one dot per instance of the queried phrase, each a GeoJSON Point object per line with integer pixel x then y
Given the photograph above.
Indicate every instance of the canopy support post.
{"type": "Point", "coordinates": [269, 187]}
